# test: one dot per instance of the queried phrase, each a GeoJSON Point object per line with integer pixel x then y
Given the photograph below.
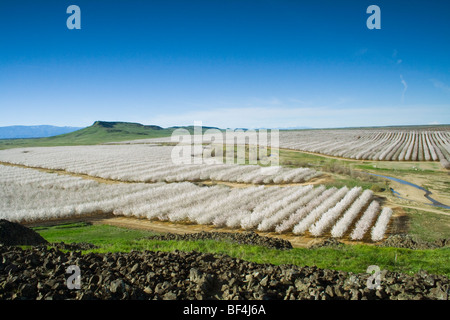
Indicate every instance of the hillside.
{"type": "Point", "coordinates": [99, 132]}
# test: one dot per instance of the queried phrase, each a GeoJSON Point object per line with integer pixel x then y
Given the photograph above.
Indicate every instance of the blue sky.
{"type": "Point", "coordinates": [226, 63]}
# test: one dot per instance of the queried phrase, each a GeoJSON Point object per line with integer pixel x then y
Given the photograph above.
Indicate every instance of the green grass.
{"type": "Point", "coordinates": [301, 159]}
{"type": "Point", "coordinates": [350, 258]}
{"type": "Point", "coordinates": [102, 235]}
{"type": "Point", "coordinates": [428, 226]}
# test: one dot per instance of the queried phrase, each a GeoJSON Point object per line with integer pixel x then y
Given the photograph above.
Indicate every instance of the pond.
{"type": "Point", "coordinates": [427, 192]}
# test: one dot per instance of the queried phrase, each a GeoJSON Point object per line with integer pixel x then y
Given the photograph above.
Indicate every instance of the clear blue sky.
{"type": "Point", "coordinates": [233, 63]}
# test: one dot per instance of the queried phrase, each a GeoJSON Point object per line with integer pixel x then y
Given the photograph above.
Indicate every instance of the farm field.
{"type": "Point", "coordinates": [32, 195]}
{"type": "Point", "coordinates": [385, 144]}
{"type": "Point", "coordinates": [372, 144]}
{"type": "Point", "coordinates": [407, 202]}
{"type": "Point", "coordinates": [237, 152]}
{"type": "Point", "coordinates": [144, 163]}
{"type": "Point", "coordinates": [309, 195]}
{"type": "Point", "coordinates": [333, 211]}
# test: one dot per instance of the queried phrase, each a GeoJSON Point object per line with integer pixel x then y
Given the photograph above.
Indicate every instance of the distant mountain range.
{"type": "Point", "coordinates": [293, 128]}
{"type": "Point", "coordinates": [22, 132]}
{"type": "Point", "coordinates": [98, 132]}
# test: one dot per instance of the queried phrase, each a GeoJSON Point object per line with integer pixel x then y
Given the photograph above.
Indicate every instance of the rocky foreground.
{"type": "Point", "coordinates": [246, 238]}
{"type": "Point", "coordinates": [40, 273]}
{"type": "Point", "coordinates": [410, 242]}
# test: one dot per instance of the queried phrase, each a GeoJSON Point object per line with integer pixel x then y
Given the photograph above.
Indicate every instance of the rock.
{"type": "Point", "coordinates": [264, 281]}
{"type": "Point", "coordinates": [193, 275]}
{"type": "Point", "coordinates": [404, 296]}
{"type": "Point", "coordinates": [301, 286]}
{"type": "Point", "coordinates": [274, 283]}
{"type": "Point", "coordinates": [410, 242]}
{"type": "Point", "coordinates": [48, 264]}
{"type": "Point", "coordinates": [74, 246]}
{"type": "Point", "coordinates": [438, 293]}
{"type": "Point", "coordinates": [340, 293]}
{"type": "Point", "coordinates": [117, 286]}
{"type": "Point", "coordinates": [426, 278]}
{"type": "Point", "coordinates": [355, 294]}
{"type": "Point", "coordinates": [134, 268]}
{"type": "Point", "coordinates": [170, 296]}
{"type": "Point", "coordinates": [162, 288]}
{"type": "Point", "coordinates": [250, 238]}
{"type": "Point", "coordinates": [330, 243]}
{"type": "Point", "coordinates": [381, 294]}
{"type": "Point", "coordinates": [329, 291]}
{"type": "Point", "coordinates": [148, 290]}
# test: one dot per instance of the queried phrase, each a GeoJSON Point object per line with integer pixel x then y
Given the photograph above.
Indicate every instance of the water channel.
{"type": "Point", "coordinates": [427, 192]}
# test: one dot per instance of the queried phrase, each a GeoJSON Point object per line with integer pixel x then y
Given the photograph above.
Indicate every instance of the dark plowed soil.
{"type": "Point", "coordinates": [12, 234]}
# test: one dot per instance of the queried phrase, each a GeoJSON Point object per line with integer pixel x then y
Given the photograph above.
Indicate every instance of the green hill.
{"type": "Point", "coordinates": [99, 132]}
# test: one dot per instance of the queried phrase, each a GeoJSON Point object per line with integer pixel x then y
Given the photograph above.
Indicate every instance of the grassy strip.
{"type": "Point", "coordinates": [428, 226]}
{"type": "Point", "coordinates": [100, 235]}
{"type": "Point", "coordinates": [350, 258]}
